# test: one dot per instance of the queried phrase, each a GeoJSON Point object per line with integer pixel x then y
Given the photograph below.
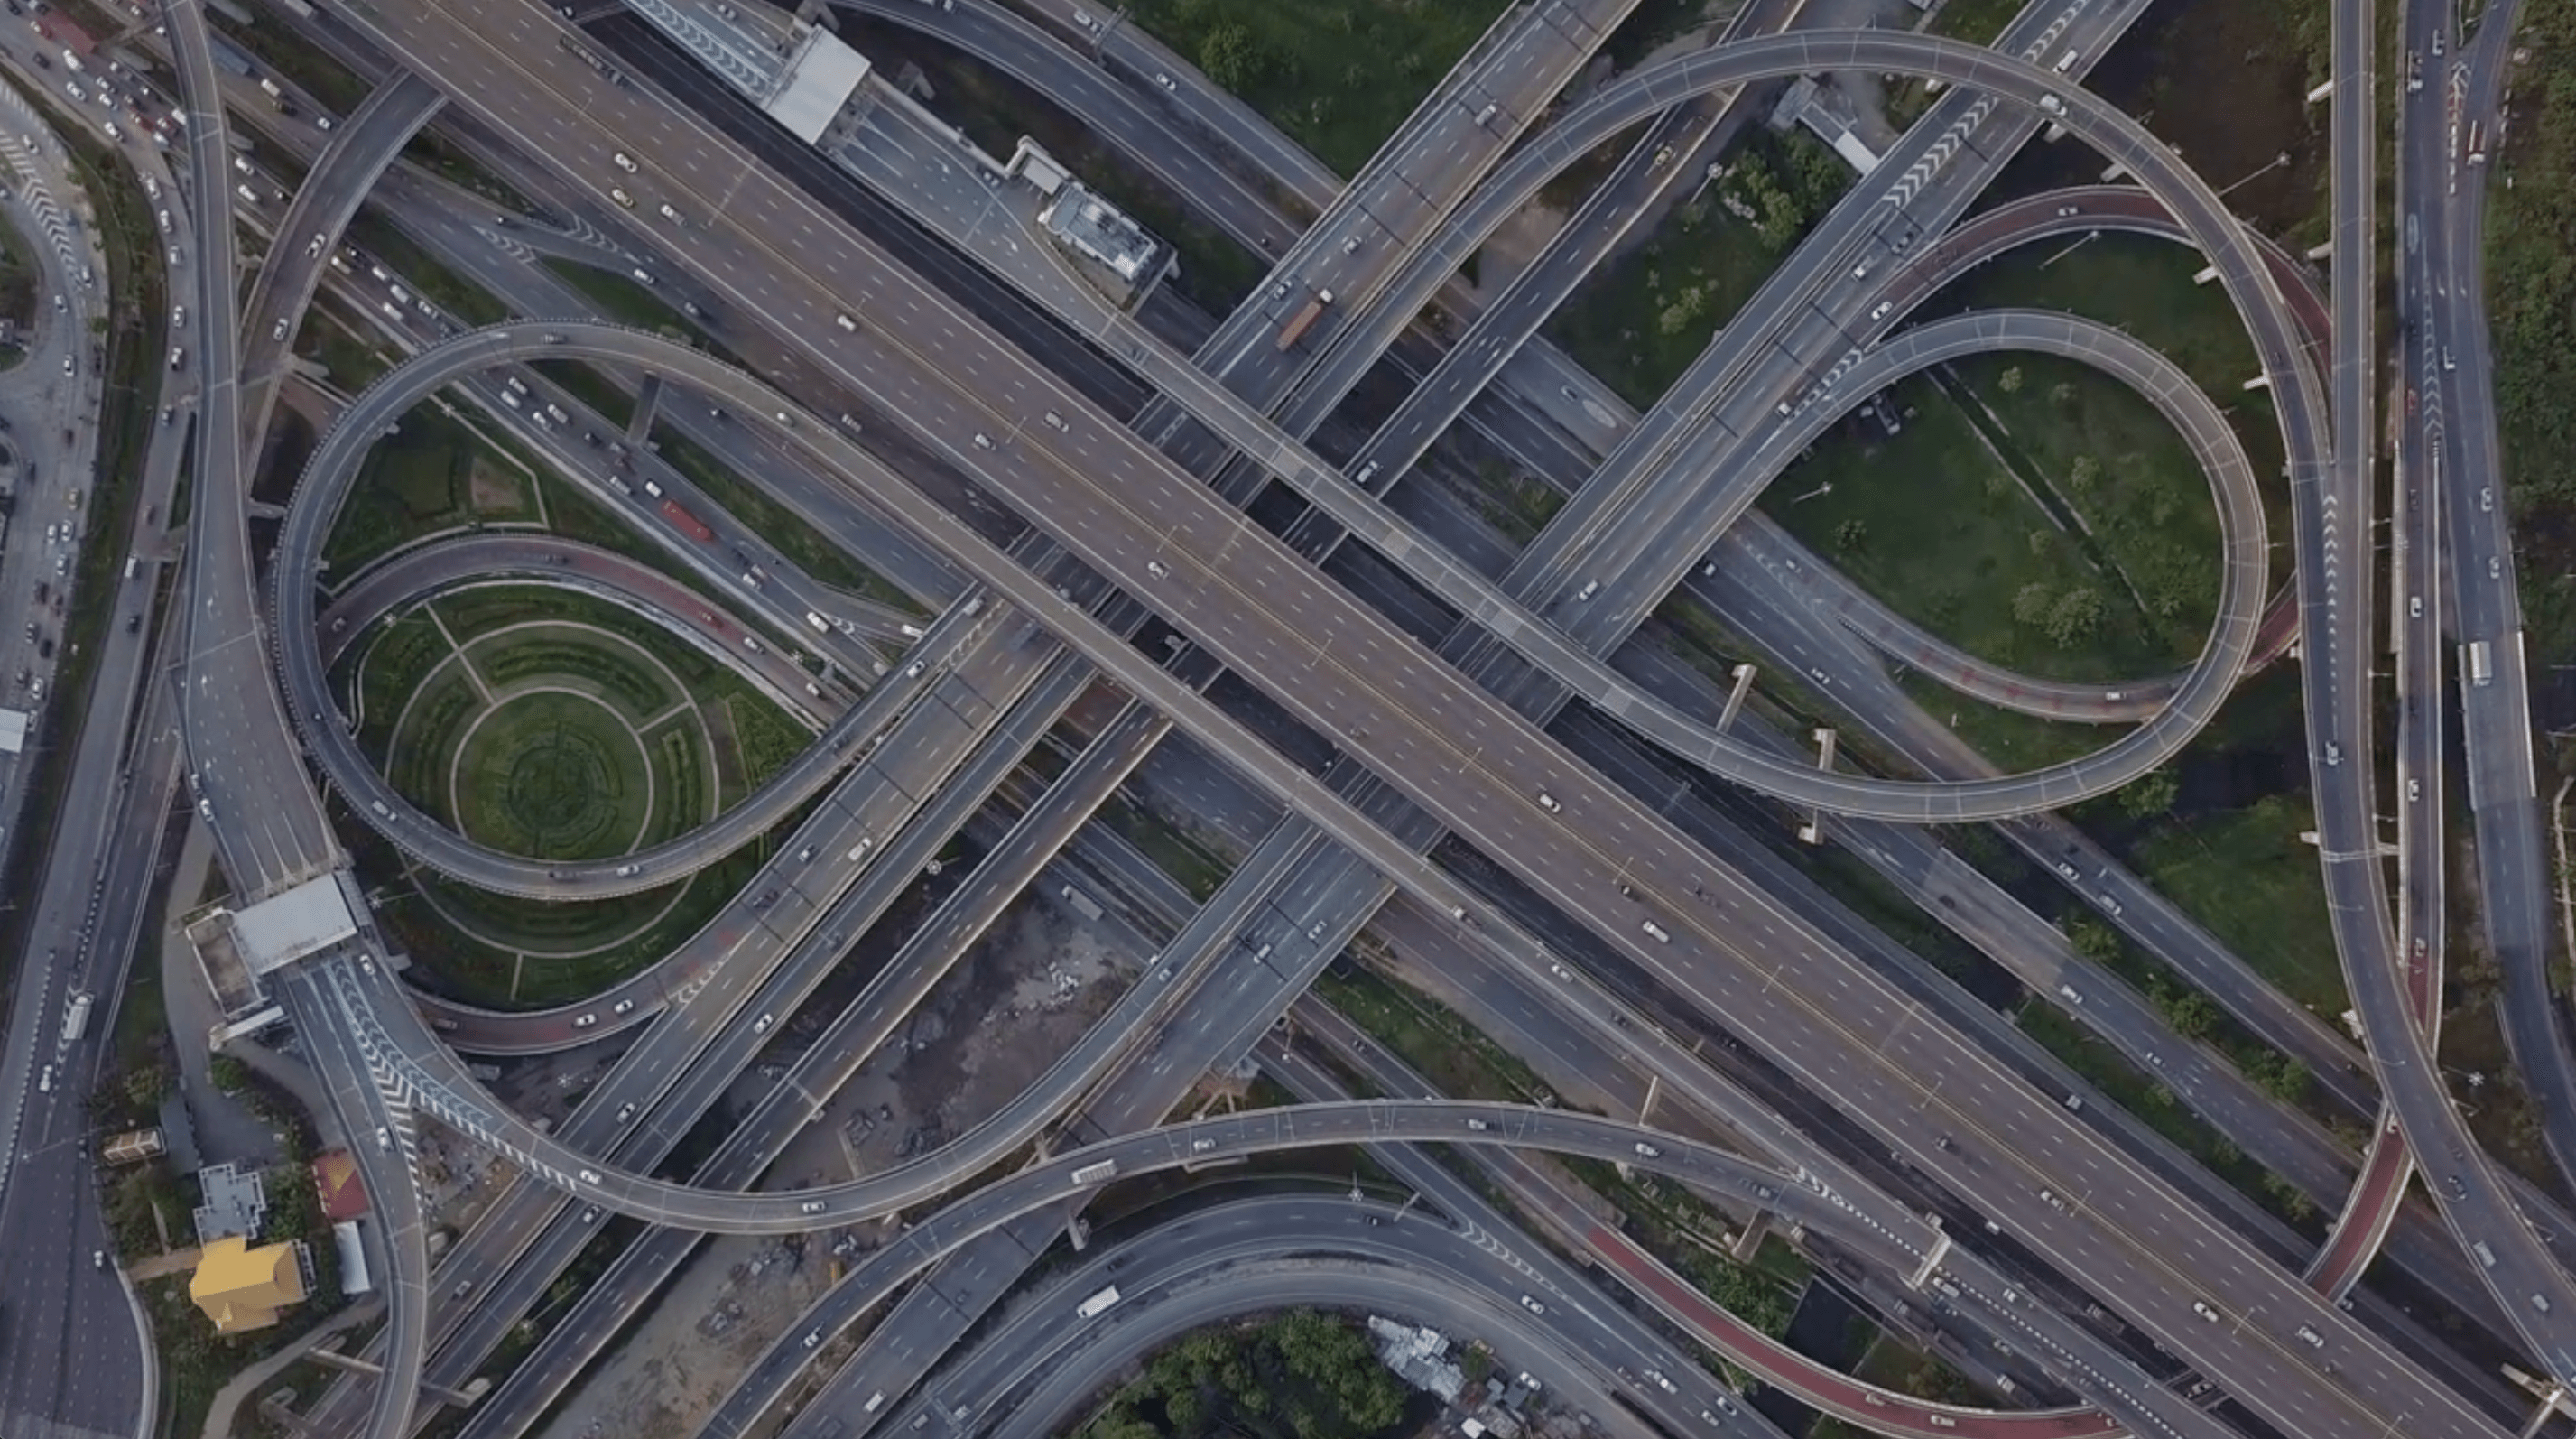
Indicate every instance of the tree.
{"type": "Point", "coordinates": [2084, 476]}
{"type": "Point", "coordinates": [228, 1072]}
{"type": "Point", "coordinates": [2010, 383]}
{"type": "Point", "coordinates": [2076, 617]}
{"type": "Point", "coordinates": [1852, 536]}
{"type": "Point", "coordinates": [2094, 940]}
{"type": "Point", "coordinates": [2151, 794]}
{"type": "Point", "coordinates": [2032, 603]}
{"type": "Point", "coordinates": [1234, 57]}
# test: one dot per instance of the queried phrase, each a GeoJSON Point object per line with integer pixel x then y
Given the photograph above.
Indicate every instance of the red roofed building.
{"type": "Point", "coordinates": [335, 1179]}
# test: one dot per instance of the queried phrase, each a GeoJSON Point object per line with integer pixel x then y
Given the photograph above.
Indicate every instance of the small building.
{"type": "Point", "coordinates": [241, 1288]}
{"type": "Point", "coordinates": [134, 1146]}
{"type": "Point", "coordinates": [337, 1184]}
{"type": "Point", "coordinates": [235, 1203]}
{"type": "Point", "coordinates": [1101, 233]}
{"type": "Point", "coordinates": [352, 1249]}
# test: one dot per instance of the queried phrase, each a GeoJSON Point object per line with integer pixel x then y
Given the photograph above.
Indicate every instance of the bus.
{"type": "Point", "coordinates": [1098, 1304]}
{"type": "Point", "coordinates": [1100, 1173]}
{"type": "Point", "coordinates": [76, 1019]}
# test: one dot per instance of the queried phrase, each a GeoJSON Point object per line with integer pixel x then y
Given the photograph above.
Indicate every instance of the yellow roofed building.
{"type": "Point", "coordinates": [242, 1288]}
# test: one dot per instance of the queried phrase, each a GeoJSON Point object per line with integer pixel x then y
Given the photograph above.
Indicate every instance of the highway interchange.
{"type": "Point", "coordinates": [1417, 748]}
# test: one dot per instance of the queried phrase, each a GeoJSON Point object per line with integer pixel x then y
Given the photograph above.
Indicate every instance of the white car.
{"type": "Point", "coordinates": [624, 162]}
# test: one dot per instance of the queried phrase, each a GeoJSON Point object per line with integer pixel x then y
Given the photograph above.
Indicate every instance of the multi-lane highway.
{"type": "Point", "coordinates": [1394, 709]}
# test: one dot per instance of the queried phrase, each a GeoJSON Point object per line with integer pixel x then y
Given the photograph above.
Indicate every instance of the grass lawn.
{"type": "Point", "coordinates": [1435, 1040]}
{"type": "Point", "coordinates": [565, 951]}
{"type": "Point", "coordinates": [2531, 292]}
{"type": "Point", "coordinates": [385, 670]}
{"type": "Point", "coordinates": [593, 387]}
{"type": "Point", "coordinates": [1199, 869]}
{"type": "Point", "coordinates": [567, 656]}
{"type": "Point", "coordinates": [2010, 740]}
{"type": "Point", "coordinates": [2143, 286]}
{"type": "Point", "coordinates": [623, 300]}
{"type": "Point", "coordinates": [348, 361]}
{"type": "Point", "coordinates": [1976, 21]}
{"type": "Point", "coordinates": [469, 303]}
{"type": "Point", "coordinates": [2248, 876]}
{"type": "Point", "coordinates": [1932, 523]}
{"type": "Point", "coordinates": [274, 42]}
{"type": "Point", "coordinates": [1639, 324]}
{"type": "Point", "coordinates": [18, 276]}
{"type": "Point", "coordinates": [2109, 459]}
{"type": "Point", "coordinates": [433, 474]}
{"type": "Point", "coordinates": [552, 775]}
{"type": "Point", "coordinates": [1337, 76]}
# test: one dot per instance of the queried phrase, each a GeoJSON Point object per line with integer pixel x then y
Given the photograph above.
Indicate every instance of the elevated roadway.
{"type": "Point", "coordinates": [267, 814]}
{"type": "Point", "coordinates": [1772, 1363]}
{"type": "Point", "coordinates": [361, 150]}
{"type": "Point", "coordinates": [2450, 357]}
{"type": "Point", "coordinates": [548, 562]}
{"type": "Point", "coordinates": [2005, 1107]}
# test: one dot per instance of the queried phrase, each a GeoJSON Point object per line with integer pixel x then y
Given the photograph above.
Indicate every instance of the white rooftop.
{"type": "Point", "coordinates": [13, 731]}
{"type": "Point", "coordinates": [821, 77]}
{"type": "Point", "coordinates": [307, 919]}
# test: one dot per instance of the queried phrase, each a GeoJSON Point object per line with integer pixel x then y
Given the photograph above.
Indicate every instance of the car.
{"type": "Point", "coordinates": [810, 1206]}
{"type": "Point", "coordinates": [623, 1006]}
{"type": "Point", "coordinates": [384, 1137]}
{"type": "Point", "coordinates": [624, 161]}
{"type": "Point", "coordinates": [625, 1112]}
{"type": "Point", "coordinates": [2495, 567]}
{"type": "Point", "coordinates": [1532, 1305]}
{"type": "Point", "coordinates": [2486, 500]}
{"type": "Point", "coordinates": [1550, 803]}
{"type": "Point", "coordinates": [813, 1337]}
{"type": "Point", "coordinates": [1648, 1151]}
{"type": "Point", "coordinates": [1881, 312]}
{"type": "Point", "coordinates": [761, 1025]}
{"type": "Point", "coordinates": [1164, 80]}
{"type": "Point", "coordinates": [2414, 790]}
{"type": "Point", "coordinates": [98, 1259]}
{"type": "Point", "coordinates": [670, 214]}
{"type": "Point", "coordinates": [621, 197]}
{"type": "Point", "coordinates": [278, 330]}
{"type": "Point", "coordinates": [590, 1176]}
{"type": "Point", "coordinates": [2414, 607]}
{"type": "Point", "coordinates": [589, 1213]}
{"type": "Point", "coordinates": [2448, 362]}
{"type": "Point", "coordinates": [2065, 212]}
{"type": "Point", "coordinates": [2459, 1187]}
{"type": "Point", "coordinates": [586, 1021]}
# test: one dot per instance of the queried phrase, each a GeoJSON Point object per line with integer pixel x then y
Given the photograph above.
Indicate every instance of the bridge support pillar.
{"type": "Point", "coordinates": [2322, 249]}
{"type": "Point", "coordinates": [1813, 831]}
{"type": "Point", "coordinates": [1079, 1231]}
{"type": "Point", "coordinates": [1932, 1258]}
{"type": "Point", "coordinates": [1735, 698]}
{"type": "Point", "coordinates": [1748, 1241]}
{"type": "Point", "coordinates": [2323, 91]}
{"type": "Point", "coordinates": [2206, 275]}
{"type": "Point", "coordinates": [2259, 382]}
{"type": "Point", "coordinates": [2549, 1406]}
